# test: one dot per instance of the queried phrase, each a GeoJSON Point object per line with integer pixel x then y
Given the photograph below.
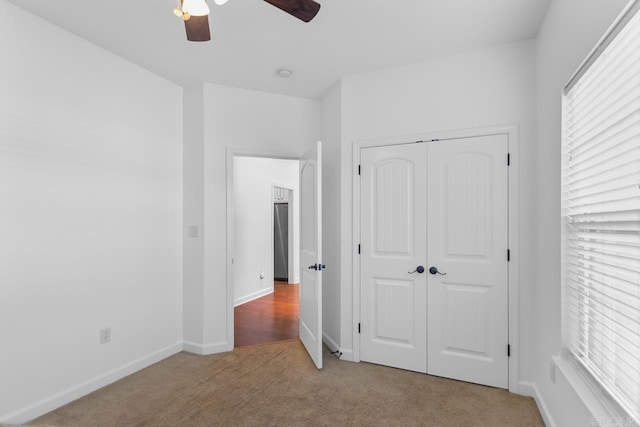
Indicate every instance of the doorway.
{"type": "Point", "coordinates": [266, 290]}
{"type": "Point", "coordinates": [434, 243]}
{"type": "Point", "coordinates": [310, 242]}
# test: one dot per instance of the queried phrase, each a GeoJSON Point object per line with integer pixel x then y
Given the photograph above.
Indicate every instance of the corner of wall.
{"type": "Point", "coordinates": [531, 389]}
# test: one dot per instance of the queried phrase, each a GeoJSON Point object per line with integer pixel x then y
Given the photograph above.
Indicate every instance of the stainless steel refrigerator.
{"type": "Point", "coordinates": [281, 241]}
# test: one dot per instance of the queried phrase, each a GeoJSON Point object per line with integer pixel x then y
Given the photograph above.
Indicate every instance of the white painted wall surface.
{"type": "Point", "coordinates": [193, 215]}
{"type": "Point", "coordinates": [90, 223]}
{"type": "Point", "coordinates": [570, 30]}
{"type": "Point", "coordinates": [331, 231]}
{"type": "Point", "coordinates": [253, 181]}
{"type": "Point", "coordinates": [476, 89]}
{"type": "Point", "coordinates": [248, 120]}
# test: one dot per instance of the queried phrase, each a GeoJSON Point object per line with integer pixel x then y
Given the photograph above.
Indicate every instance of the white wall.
{"type": "Point", "coordinates": [193, 215]}
{"type": "Point", "coordinates": [331, 228]}
{"type": "Point", "coordinates": [253, 181]}
{"type": "Point", "coordinates": [482, 88]}
{"type": "Point", "coordinates": [569, 32]}
{"type": "Point", "coordinates": [247, 120]}
{"type": "Point", "coordinates": [90, 223]}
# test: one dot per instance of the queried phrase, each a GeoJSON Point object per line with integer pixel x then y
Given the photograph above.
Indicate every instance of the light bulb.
{"type": "Point", "coordinates": [178, 12]}
{"type": "Point", "coordinates": [220, 2]}
{"type": "Point", "coordinates": [186, 16]}
{"type": "Point", "coordinates": [195, 7]}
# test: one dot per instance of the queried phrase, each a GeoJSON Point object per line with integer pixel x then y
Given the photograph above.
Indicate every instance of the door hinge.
{"type": "Point", "coordinates": [508, 350]}
{"type": "Point", "coordinates": [358, 169]}
{"type": "Point", "coordinates": [358, 248]}
{"type": "Point", "coordinates": [358, 327]}
{"type": "Point", "coordinates": [508, 159]}
{"type": "Point", "coordinates": [508, 255]}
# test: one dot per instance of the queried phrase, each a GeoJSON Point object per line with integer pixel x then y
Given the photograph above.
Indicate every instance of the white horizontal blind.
{"type": "Point", "coordinates": [601, 204]}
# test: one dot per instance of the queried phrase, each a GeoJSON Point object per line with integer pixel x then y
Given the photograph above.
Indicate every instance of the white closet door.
{"type": "Point", "coordinates": [467, 241]}
{"type": "Point", "coordinates": [393, 230]}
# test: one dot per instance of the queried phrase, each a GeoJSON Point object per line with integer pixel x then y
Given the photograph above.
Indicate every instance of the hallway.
{"type": "Point", "coordinates": [268, 319]}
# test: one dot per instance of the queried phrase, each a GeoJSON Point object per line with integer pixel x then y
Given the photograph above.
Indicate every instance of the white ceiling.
{"type": "Point", "coordinates": [251, 38]}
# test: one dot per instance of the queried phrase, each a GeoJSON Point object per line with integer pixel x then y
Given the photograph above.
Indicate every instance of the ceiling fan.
{"type": "Point", "coordinates": [195, 14]}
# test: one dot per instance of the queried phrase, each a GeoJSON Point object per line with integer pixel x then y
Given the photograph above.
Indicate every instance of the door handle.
{"type": "Point", "coordinates": [419, 269]}
{"type": "Point", "coordinates": [434, 270]}
{"type": "Point", "coordinates": [317, 267]}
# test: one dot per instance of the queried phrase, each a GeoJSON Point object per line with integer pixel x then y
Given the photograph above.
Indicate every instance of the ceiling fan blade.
{"type": "Point", "coordinates": [304, 10]}
{"type": "Point", "coordinates": [198, 29]}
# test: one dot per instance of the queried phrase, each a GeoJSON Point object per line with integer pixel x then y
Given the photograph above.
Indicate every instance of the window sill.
{"type": "Point", "coordinates": [602, 416]}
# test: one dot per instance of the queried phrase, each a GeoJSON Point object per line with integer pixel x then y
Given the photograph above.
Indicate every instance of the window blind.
{"type": "Point", "coordinates": [601, 209]}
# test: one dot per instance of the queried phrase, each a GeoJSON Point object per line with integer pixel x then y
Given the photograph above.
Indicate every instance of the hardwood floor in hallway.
{"type": "Point", "coordinates": [271, 318]}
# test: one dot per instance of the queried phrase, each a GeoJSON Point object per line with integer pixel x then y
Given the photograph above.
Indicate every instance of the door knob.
{"type": "Point", "coordinates": [419, 269]}
{"type": "Point", "coordinates": [434, 270]}
{"type": "Point", "coordinates": [317, 267]}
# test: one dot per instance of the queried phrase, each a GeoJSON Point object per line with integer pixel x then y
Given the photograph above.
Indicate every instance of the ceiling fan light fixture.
{"type": "Point", "coordinates": [195, 7]}
{"type": "Point", "coordinates": [195, 14]}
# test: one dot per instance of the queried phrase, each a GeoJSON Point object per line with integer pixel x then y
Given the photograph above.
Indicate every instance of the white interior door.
{"type": "Point", "coordinates": [311, 253]}
{"type": "Point", "coordinates": [467, 240]}
{"type": "Point", "coordinates": [393, 322]}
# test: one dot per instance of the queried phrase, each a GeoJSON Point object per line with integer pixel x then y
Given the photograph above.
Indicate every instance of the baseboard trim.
{"type": "Point", "coordinates": [333, 346]}
{"type": "Point", "coordinates": [57, 400]}
{"type": "Point", "coordinates": [205, 349]}
{"type": "Point", "coordinates": [261, 293]}
{"type": "Point", "coordinates": [347, 355]}
{"type": "Point", "coordinates": [531, 389]}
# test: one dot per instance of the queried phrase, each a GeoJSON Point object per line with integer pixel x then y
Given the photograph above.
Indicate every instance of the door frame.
{"type": "Point", "coordinates": [231, 153]}
{"type": "Point", "coordinates": [511, 131]}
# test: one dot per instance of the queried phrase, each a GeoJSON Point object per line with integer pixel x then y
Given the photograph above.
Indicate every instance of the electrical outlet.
{"type": "Point", "coordinates": [552, 371]}
{"type": "Point", "coordinates": [105, 335]}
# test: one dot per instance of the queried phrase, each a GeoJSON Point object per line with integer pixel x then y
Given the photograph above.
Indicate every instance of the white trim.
{"type": "Point", "coordinates": [347, 355]}
{"type": "Point", "coordinates": [584, 391]}
{"type": "Point", "coordinates": [531, 389]}
{"type": "Point", "coordinates": [192, 347]}
{"type": "Point", "coordinates": [330, 342]}
{"type": "Point", "coordinates": [618, 25]}
{"type": "Point", "coordinates": [512, 133]}
{"type": "Point", "coordinates": [205, 349]}
{"type": "Point", "coordinates": [258, 294]}
{"type": "Point", "coordinates": [232, 152]}
{"type": "Point", "coordinates": [57, 400]}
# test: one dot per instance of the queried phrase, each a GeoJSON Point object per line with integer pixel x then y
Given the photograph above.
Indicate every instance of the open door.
{"type": "Point", "coordinates": [311, 253]}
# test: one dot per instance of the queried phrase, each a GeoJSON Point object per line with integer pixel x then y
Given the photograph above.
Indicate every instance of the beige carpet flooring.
{"type": "Point", "coordinates": [277, 385]}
